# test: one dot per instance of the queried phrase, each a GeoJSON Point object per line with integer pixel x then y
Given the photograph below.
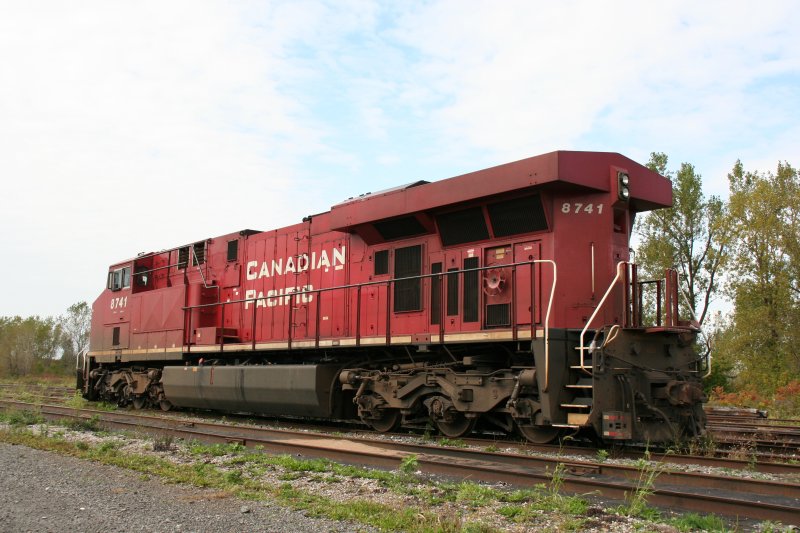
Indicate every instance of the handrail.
{"type": "Point", "coordinates": [197, 264]}
{"type": "Point", "coordinates": [368, 283]}
{"type": "Point", "coordinates": [547, 322]}
{"type": "Point", "coordinates": [582, 348]}
{"type": "Point", "coordinates": [388, 283]}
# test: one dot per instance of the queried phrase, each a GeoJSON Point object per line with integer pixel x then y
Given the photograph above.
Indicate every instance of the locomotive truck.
{"type": "Point", "coordinates": [503, 297]}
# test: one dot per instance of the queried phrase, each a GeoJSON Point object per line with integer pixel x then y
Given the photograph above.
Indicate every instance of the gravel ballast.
{"type": "Point", "coordinates": [43, 491]}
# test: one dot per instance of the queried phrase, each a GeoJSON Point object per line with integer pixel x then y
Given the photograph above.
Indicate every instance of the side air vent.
{"type": "Point", "coordinates": [436, 294]}
{"type": "Point", "coordinates": [407, 292]}
{"type": "Point", "coordinates": [233, 250]}
{"type": "Point", "coordinates": [463, 226]}
{"type": "Point", "coordinates": [199, 256]}
{"type": "Point", "coordinates": [452, 292]}
{"type": "Point", "coordinates": [470, 290]}
{"type": "Point", "coordinates": [520, 215]}
{"type": "Point", "coordinates": [498, 315]}
{"type": "Point", "coordinates": [183, 257]}
{"type": "Point", "coordinates": [399, 228]}
{"type": "Point", "coordinates": [381, 262]}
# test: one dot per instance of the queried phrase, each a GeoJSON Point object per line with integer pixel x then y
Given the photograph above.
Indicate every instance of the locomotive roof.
{"type": "Point", "coordinates": [589, 170]}
{"type": "Point", "coordinates": [582, 170]}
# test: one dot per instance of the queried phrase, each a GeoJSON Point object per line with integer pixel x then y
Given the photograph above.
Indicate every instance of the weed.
{"type": "Point", "coordinates": [22, 418]}
{"type": "Point", "coordinates": [698, 522]}
{"type": "Point", "coordinates": [234, 477]}
{"type": "Point", "coordinates": [771, 527]}
{"type": "Point", "coordinates": [557, 480]}
{"type": "Point", "coordinates": [83, 446]}
{"type": "Point", "coordinates": [27, 397]}
{"type": "Point", "coordinates": [164, 443]}
{"type": "Point", "coordinates": [491, 448]}
{"type": "Point", "coordinates": [602, 456]}
{"type": "Point", "coordinates": [453, 443]}
{"type": "Point", "coordinates": [105, 406]}
{"type": "Point", "coordinates": [475, 495]}
{"type": "Point", "coordinates": [81, 424]}
{"type": "Point", "coordinates": [216, 450]}
{"type": "Point", "coordinates": [648, 472]}
{"type": "Point", "coordinates": [77, 401]}
{"type": "Point", "coordinates": [108, 446]}
{"type": "Point", "coordinates": [704, 445]}
{"type": "Point", "coordinates": [409, 464]}
{"type": "Point", "coordinates": [564, 441]}
{"type": "Point", "coordinates": [426, 435]}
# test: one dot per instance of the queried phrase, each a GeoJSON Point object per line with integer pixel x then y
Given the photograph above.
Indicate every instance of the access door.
{"type": "Point", "coordinates": [528, 281]}
{"type": "Point", "coordinates": [497, 285]}
{"type": "Point", "coordinates": [455, 295]}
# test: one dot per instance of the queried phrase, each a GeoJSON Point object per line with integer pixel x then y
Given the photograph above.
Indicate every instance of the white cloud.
{"type": "Point", "coordinates": [133, 126]}
{"type": "Point", "coordinates": [538, 76]}
{"type": "Point", "coordinates": [129, 126]}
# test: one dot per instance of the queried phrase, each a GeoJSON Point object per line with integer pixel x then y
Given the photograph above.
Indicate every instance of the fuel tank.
{"type": "Point", "coordinates": [294, 390]}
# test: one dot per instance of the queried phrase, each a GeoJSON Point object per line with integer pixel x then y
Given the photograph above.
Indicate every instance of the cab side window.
{"type": "Point", "coordinates": [119, 279]}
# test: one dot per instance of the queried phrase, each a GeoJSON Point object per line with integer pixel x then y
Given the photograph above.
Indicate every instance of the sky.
{"type": "Point", "coordinates": [134, 126]}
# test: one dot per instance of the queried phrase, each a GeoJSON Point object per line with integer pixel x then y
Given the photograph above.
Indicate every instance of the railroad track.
{"type": "Point", "coordinates": [738, 450]}
{"type": "Point", "coordinates": [730, 496]}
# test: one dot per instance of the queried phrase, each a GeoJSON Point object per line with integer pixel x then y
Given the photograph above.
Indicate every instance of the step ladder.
{"type": "Point", "coordinates": [579, 407]}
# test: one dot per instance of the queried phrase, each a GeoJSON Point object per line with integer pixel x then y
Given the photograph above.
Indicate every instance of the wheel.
{"type": "Point", "coordinates": [138, 402]}
{"type": "Point", "coordinates": [388, 422]}
{"type": "Point", "coordinates": [165, 405]}
{"type": "Point", "coordinates": [539, 434]}
{"type": "Point", "coordinates": [456, 427]}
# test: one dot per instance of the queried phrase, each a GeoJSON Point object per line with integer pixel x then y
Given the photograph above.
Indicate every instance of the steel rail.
{"type": "Point", "coordinates": [728, 496]}
{"type": "Point", "coordinates": [757, 462]}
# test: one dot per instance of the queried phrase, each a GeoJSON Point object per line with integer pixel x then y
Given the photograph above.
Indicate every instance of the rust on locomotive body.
{"type": "Point", "coordinates": [503, 297]}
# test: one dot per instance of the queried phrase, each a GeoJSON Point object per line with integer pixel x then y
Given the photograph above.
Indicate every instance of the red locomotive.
{"type": "Point", "coordinates": [503, 296]}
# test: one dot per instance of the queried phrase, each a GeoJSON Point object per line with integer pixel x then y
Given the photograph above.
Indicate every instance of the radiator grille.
{"type": "Point", "coordinates": [498, 315]}
{"type": "Point", "coordinates": [462, 226]}
{"type": "Point", "coordinates": [520, 215]}
{"type": "Point", "coordinates": [399, 228]}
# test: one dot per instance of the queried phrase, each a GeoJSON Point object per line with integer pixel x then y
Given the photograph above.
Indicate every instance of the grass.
{"type": "Point", "coordinates": [42, 380]}
{"type": "Point", "coordinates": [236, 483]}
{"type": "Point", "coordinates": [698, 522]}
{"type": "Point", "coordinates": [83, 424]}
{"type": "Point", "coordinates": [21, 418]}
{"type": "Point", "coordinates": [77, 401]}
{"type": "Point", "coordinates": [423, 506]}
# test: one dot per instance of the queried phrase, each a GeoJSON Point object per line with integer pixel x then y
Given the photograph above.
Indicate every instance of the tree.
{"type": "Point", "coordinates": [75, 324]}
{"type": "Point", "coordinates": [27, 344]}
{"type": "Point", "coordinates": [764, 283]}
{"type": "Point", "coordinates": [691, 237]}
